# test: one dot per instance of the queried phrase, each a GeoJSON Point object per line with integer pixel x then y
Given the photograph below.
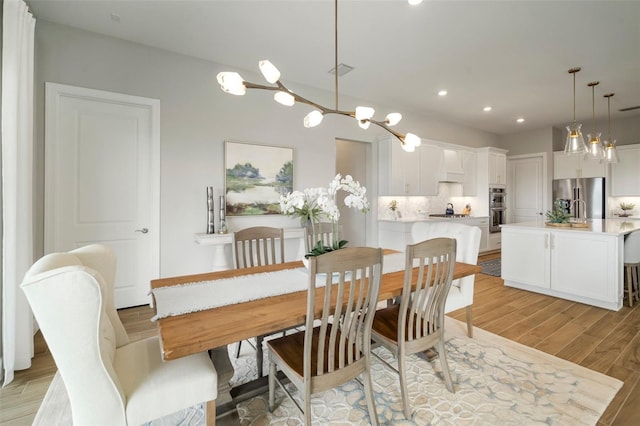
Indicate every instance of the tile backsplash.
{"type": "Point", "coordinates": [411, 207]}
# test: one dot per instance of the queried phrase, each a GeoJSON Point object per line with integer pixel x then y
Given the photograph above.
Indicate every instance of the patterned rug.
{"type": "Point", "coordinates": [492, 267]}
{"type": "Point", "coordinates": [496, 381]}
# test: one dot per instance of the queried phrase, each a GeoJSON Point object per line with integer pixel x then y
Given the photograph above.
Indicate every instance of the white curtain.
{"type": "Point", "coordinates": [17, 184]}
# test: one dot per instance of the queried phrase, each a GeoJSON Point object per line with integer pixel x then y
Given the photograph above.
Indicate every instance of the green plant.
{"type": "Point", "coordinates": [558, 214]}
{"type": "Point", "coordinates": [627, 206]}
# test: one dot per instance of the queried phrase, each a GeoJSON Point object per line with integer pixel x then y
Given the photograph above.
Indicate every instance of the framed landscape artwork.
{"type": "Point", "coordinates": [256, 176]}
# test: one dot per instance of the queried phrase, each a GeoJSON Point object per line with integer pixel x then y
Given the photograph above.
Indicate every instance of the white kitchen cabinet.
{"type": "Point", "coordinates": [525, 257]}
{"type": "Point", "coordinates": [497, 168]}
{"type": "Point", "coordinates": [470, 180]}
{"type": "Point", "coordinates": [407, 173]}
{"type": "Point", "coordinates": [394, 235]}
{"type": "Point", "coordinates": [398, 170]}
{"type": "Point", "coordinates": [430, 164]}
{"type": "Point", "coordinates": [573, 264]}
{"type": "Point", "coordinates": [483, 224]}
{"type": "Point", "coordinates": [625, 175]}
{"type": "Point", "coordinates": [576, 166]}
{"type": "Point", "coordinates": [492, 169]}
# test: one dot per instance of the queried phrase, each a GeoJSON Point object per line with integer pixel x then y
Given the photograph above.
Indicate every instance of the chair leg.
{"type": "Point", "coordinates": [259, 355]}
{"type": "Point", "coordinates": [210, 413]}
{"type": "Point", "coordinates": [629, 271]}
{"type": "Point", "coordinates": [469, 321]}
{"type": "Point", "coordinates": [307, 405]}
{"type": "Point", "coordinates": [272, 386]}
{"type": "Point", "coordinates": [445, 366]}
{"type": "Point", "coordinates": [402, 373]}
{"type": "Point", "coordinates": [635, 284]}
{"type": "Point", "coordinates": [238, 348]}
{"type": "Point", "coordinates": [368, 393]}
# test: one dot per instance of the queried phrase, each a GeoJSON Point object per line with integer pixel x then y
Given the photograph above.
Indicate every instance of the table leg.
{"type": "Point", "coordinates": [224, 402]}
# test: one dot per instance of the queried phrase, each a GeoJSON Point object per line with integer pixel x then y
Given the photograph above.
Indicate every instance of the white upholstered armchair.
{"type": "Point", "coordinates": [108, 379]}
{"type": "Point", "coordinates": [468, 245]}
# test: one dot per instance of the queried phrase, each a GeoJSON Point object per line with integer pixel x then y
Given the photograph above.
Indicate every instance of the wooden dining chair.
{"type": "Point", "coordinates": [417, 323]}
{"type": "Point", "coordinates": [338, 349]}
{"type": "Point", "coordinates": [257, 246]}
{"type": "Point", "coordinates": [324, 233]}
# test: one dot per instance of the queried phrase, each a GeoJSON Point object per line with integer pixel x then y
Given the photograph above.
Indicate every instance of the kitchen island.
{"type": "Point", "coordinates": [396, 234]}
{"type": "Point", "coordinates": [580, 264]}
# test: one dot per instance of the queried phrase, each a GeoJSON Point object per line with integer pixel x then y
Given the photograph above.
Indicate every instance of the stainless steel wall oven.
{"type": "Point", "coordinates": [497, 208]}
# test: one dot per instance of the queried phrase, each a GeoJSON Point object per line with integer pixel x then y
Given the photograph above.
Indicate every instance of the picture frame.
{"type": "Point", "coordinates": [255, 178]}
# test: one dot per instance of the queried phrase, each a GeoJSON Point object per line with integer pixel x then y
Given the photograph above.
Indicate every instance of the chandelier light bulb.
{"type": "Point", "coordinates": [610, 152]}
{"type": "Point", "coordinates": [284, 98]}
{"type": "Point", "coordinates": [364, 124]}
{"type": "Point", "coordinates": [408, 147]}
{"type": "Point", "coordinates": [393, 118]}
{"type": "Point", "coordinates": [269, 71]}
{"type": "Point", "coordinates": [575, 141]}
{"type": "Point", "coordinates": [413, 140]}
{"type": "Point", "coordinates": [313, 119]}
{"type": "Point", "coordinates": [232, 82]}
{"type": "Point", "coordinates": [596, 150]}
{"type": "Point", "coordinates": [364, 113]}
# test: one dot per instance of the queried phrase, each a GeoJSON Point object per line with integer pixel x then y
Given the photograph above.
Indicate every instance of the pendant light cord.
{"type": "Point", "coordinates": [336, 47]}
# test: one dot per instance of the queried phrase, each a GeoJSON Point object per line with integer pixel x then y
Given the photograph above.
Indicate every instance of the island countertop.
{"type": "Point", "coordinates": [596, 226]}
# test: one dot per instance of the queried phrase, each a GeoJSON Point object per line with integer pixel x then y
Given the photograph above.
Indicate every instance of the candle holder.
{"type": "Point", "coordinates": [210, 216]}
{"type": "Point", "coordinates": [222, 229]}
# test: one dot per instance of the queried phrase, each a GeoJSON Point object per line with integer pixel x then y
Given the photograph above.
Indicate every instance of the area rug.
{"type": "Point", "coordinates": [496, 381]}
{"type": "Point", "coordinates": [492, 267]}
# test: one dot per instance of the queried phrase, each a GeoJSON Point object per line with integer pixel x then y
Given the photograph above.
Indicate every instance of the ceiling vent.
{"type": "Point", "coordinates": [342, 69]}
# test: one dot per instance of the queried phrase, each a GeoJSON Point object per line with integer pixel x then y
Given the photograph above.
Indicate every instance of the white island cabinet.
{"type": "Point", "coordinates": [579, 264]}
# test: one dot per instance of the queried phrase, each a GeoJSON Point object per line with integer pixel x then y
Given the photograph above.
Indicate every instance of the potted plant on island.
{"type": "Point", "coordinates": [558, 216]}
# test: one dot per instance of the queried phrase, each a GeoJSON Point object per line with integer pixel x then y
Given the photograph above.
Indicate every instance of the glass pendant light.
{"type": "Point", "coordinates": [596, 150]}
{"type": "Point", "coordinates": [610, 151]}
{"type": "Point", "coordinates": [575, 141]}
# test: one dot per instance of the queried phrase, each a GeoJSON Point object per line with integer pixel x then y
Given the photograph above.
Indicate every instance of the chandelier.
{"type": "Point", "coordinates": [233, 83]}
{"type": "Point", "coordinates": [575, 141]}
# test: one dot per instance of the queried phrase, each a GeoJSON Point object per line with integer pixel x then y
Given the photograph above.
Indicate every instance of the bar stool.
{"type": "Point", "coordinates": [632, 266]}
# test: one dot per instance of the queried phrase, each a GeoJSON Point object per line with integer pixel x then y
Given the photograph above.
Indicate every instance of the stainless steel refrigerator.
{"type": "Point", "coordinates": [589, 190]}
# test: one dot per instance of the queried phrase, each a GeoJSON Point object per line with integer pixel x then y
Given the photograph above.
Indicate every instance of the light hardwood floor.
{"type": "Point", "coordinates": [599, 339]}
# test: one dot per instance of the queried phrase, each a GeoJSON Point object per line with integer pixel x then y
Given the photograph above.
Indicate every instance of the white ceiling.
{"type": "Point", "coordinates": [513, 55]}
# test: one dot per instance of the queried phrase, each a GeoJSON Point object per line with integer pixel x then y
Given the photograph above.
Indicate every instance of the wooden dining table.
{"type": "Point", "coordinates": [213, 329]}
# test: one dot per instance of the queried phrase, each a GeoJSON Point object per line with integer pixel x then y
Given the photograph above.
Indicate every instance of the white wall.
{"type": "Point", "coordinates": [196, 119]}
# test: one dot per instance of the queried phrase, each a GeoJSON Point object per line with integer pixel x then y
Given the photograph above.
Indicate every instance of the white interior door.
{"type": "Point", "coordinates": [526, 188]}
{"type": "Point", "coordinates": [102, 163]}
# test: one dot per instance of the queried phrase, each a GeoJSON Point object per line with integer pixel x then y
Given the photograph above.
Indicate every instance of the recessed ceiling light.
{"type": "Point", "coordinates": [487, 109]}
{"type": "Point", "coordinates": [442, 93]}
{"type": "Point", "coordinates": [520, 120]}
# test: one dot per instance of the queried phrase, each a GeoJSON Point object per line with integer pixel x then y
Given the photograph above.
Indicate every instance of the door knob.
{"type": "Point", "coordinates": [143, 230]}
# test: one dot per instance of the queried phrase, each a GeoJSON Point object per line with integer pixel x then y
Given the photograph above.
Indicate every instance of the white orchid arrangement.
{"type": "Point", "coordinates": [315, 204]}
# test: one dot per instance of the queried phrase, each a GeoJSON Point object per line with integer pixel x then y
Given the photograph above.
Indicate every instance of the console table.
{"type": "Point", "coordinates": [223, 255]}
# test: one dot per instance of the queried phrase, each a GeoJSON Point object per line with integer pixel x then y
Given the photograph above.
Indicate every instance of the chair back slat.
{"type": "Point", "coordinates": [429, 267]}
{"type": "Point", "coordinates": [258, 246]}
{"type": "Point", "coordinates": [351, 279]}
{"type": "Point", "coordinates": [324, 232]}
